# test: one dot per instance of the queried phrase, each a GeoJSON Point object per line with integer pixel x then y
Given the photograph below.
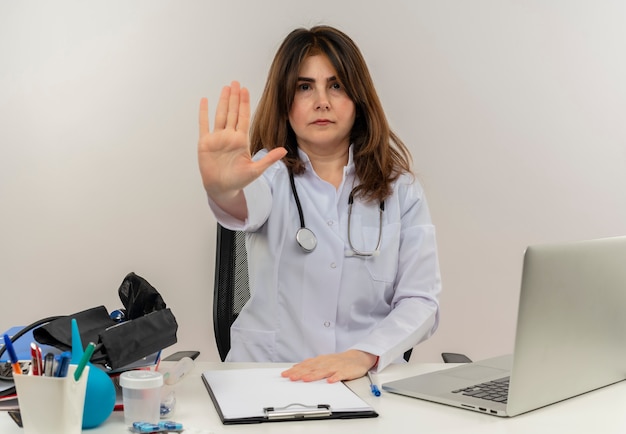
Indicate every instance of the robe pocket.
{"type": "Point", "coordinates": [382, 267]}
{"type": "Point", "coordinates": [251, 345]}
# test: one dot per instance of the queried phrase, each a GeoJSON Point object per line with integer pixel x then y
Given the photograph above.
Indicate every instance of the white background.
{"type": "Point", "coordinates": [514, 112]}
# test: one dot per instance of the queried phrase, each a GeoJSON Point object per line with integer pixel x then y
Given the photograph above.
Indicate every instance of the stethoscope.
{"type": "Point", "coordinates": [307, 239]}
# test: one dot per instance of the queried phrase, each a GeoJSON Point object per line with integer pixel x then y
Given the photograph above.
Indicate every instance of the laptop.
{"type": "Point", "coordinates": [570, 337]}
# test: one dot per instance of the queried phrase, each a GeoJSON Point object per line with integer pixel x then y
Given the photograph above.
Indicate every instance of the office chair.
{"type": "Point", "coordinates": [232, 289]}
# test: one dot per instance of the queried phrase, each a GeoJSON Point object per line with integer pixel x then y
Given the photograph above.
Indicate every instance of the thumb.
{"type": "Point", "coordinates": [272, 157]}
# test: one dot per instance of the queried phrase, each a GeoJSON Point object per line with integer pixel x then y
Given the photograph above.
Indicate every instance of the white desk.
{"type": "Point", "coordinates": [601, 411]}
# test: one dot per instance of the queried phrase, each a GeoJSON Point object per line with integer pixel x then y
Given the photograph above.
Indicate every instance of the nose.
{"type": "Point", "coordinates": [322, 102]}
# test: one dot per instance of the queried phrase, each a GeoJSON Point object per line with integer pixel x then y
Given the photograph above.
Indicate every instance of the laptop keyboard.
{"type": "Point", "coordinates": [496, 390]}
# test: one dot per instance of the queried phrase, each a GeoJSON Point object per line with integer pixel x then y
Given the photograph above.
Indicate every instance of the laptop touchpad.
{"type": "Point", "coordinates": [475, 372]}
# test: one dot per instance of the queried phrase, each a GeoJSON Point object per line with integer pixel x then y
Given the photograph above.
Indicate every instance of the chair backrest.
{"type": "Point", "coordinates": [232, 287]}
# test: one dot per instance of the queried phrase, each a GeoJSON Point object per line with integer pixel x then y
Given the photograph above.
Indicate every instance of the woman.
{"type": "Point", "coordinates": [342, 255]}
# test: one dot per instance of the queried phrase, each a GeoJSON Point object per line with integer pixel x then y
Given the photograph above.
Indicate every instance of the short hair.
{"type": "Point", "coordinates": [377, 161]}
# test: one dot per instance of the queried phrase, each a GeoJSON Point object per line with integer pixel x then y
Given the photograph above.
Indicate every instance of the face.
{"type": "Point", "coordinates": [322, 114]}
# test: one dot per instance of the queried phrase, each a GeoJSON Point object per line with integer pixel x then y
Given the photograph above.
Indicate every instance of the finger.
{"type": "Point", "coordinates": [297, 372]}
{"type": "Point", "coordinates": [233, 105]}
{"type": "Point", "coordinates": [243, 124]}
{"type": "Point", "coordinates": [291, 374]}
{"type": "Point", "coordinates": [314, 376]}
{"type": "Point", "coordinates": [306, 376]}
{"type": "Point", "coordinates": [222, 109]}
{"type": "Point", "coordinates": [204, 116]}
{"type": "Point", "coordinates": [335, 378]}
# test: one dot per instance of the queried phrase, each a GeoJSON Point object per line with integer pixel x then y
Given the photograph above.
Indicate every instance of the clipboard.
{"type": "Point", "coordinates": [243, 396]}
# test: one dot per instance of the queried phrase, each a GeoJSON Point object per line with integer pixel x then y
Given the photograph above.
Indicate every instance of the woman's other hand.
{"type": "Point", "coordinates": [348, 365]}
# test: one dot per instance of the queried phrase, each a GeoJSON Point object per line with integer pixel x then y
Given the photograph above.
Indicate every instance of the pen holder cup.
{"type": "Point", "coordinates": [51, 404]}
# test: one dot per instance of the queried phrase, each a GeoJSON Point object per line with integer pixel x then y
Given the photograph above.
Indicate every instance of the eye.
{"type": "Point", "coordinates": [303, 86]}
{"type": "Point", "coordinates": [336, 86]}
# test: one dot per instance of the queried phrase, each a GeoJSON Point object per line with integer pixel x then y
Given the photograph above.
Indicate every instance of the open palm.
{"type": "Point", "coordinates": [224, 156]}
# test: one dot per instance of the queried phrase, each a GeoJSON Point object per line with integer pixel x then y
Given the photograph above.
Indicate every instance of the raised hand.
{"type": "Point", "coordinates": [224, 156]}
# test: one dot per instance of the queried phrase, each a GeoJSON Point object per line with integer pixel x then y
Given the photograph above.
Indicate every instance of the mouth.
{"type": "Point", "coordinates": [322, 122]}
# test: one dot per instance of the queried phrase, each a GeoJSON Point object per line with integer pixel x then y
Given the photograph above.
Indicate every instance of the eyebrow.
{"type": "Point", "coordinates": [312, 80]}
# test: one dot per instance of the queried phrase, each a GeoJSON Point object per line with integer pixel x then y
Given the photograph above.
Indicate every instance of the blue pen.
{"type": "Point", "coordinates": [64, 363]}
{"type": "Point", "coordinates": [373, 387]}
{"type": "Point", "coordinates": [15, 363]}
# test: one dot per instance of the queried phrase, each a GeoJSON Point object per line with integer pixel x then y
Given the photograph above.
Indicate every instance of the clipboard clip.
{"type": "Point", "coordinates": [297, 411]}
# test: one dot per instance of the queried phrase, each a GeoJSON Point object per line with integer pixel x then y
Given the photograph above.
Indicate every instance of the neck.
{"type": "Point", "coordinates": [329, 166]}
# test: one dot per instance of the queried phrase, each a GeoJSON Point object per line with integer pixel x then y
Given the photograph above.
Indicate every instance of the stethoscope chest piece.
{"type": "Point", "coordinates": [306, 238]}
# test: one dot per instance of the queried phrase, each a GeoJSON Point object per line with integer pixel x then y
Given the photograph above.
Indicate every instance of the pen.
{"type": "Point", "coordinates": [83, 360]}
{"type": "Point", "coordinates": [17, 369]}
{"type": "Point", "coordinates": [64, 363]}
{"type": "Point", "coordinates": [373, 387]}
{"type": "Point", "coordinates": [48, 366]}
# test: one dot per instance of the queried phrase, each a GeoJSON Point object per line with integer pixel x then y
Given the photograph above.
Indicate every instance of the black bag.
{"type": "Point", "coordinates": [147, 326]}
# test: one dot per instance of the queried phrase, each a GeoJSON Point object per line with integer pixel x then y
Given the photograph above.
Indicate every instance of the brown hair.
{"type": "Point", "coordinates": [376, 161]}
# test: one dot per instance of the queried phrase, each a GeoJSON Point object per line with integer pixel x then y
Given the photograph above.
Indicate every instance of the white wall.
{"type": "Point", "coordinates": [514, 112]}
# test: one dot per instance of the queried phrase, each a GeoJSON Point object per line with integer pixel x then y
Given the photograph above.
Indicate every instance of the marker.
{"type": "Point", "coordinates": [17, 369]}
{"type": "Point", "coordinates": [83, 361]}
{"type": "Point", "coordinates": [35, 359]}
{"type": "Point", "coordinates": [373, 387]}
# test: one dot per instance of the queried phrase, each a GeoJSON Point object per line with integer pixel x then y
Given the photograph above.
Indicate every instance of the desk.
{"type": "Point", "coordinates": [601, 411]}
